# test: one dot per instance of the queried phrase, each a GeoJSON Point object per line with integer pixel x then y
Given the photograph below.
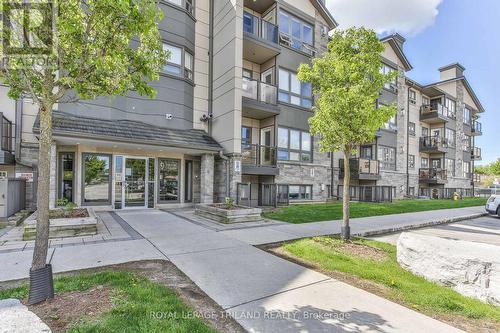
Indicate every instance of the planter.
{"type": "Point", "coordinates": [63, 227]}
{"type": "Point", "coordinates": [237, 214]}
{"type": "Point", "coordinates": [41, 285]}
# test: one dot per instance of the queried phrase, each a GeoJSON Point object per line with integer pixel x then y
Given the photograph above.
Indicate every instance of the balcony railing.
{"type": "Point", "coordinates": [290, 41]}
{"type": "Point", "coordinates": [476, 153]}
{"type": "Point", "coordinates": [434, 143]}
{"type": "Point", "coordinates": [362, 166]}
{"type": "Point", "coordinates": [260, 91]}
{"type": "Point", "coordinates": [5, 133]}
{"type": "Point", "coordinates": [437, 108]}
{"type": "Point", "coordinates": [258, 155]}
{"type": "Point", "coordinates": [476, 127]}
{"type": "Point", "coordinates": [433, 174]}
{"type": "Point", "coordinates": [260, 28]}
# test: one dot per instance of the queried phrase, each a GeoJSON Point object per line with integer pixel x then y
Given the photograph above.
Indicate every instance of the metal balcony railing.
{"type": "Point", "coordinates": [260, 28]}
{"type": "Point", "coordinates": [476, 127]}
{"type": "Point", "coordinates": [437, 108]}
{"type": "Point", "coordinates": [260, 91]}
{"type": "Point", "coordinates": [259, 155]}
{"type": "Point", "coordinates": [5, 133]}
{"type": "Point", "coordinates": [433, 174]}
{"type": "Point", "coordinates": [476, 153]}
{"type": "Point", "coordinates": [434, 143]}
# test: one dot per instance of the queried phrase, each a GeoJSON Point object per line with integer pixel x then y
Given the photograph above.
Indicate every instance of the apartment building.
{"type": "Point", "coordinates": [428, 148]}
{"type": "Point", "coordinates": [229, 119]}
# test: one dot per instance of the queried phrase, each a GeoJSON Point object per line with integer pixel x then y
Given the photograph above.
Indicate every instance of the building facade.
{"type": "Point", "coordinates": [231, 120]}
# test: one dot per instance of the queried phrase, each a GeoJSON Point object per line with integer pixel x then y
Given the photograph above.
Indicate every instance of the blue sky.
{"type": "Point", "coordinates": [464, 31]}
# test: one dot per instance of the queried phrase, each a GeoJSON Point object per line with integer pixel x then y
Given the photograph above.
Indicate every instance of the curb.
{"type": "Point", "coordinates": [419, 225]}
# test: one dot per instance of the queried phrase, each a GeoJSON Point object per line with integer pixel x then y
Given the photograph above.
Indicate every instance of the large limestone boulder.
{"type": "Point", "coordinates": [472, 269]}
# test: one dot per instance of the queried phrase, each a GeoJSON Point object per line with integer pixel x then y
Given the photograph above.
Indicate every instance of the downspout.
{"type": "Point", "coordinates": [408, 142]}
{"type": "Point", "coordinates": [226, 162]}
{"type": "Point", "coordinates": [210, 66]}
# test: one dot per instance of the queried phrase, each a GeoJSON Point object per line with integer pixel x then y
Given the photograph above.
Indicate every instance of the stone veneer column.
{"type": "Point", "coordinates": [53, 177]}
{"type": "Point", "coordinates": [207, 179]}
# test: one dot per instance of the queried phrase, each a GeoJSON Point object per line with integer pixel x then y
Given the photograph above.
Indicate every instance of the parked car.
{"type": "Point", "coordinates": [493, 205]}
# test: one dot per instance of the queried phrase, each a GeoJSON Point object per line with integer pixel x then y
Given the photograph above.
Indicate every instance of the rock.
{"type": "Point", "coordinates": [15, 317]}
{"type": "Point", "coordinates": [472, 269]}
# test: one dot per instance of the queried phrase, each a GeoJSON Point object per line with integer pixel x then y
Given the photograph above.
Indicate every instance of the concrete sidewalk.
{"type": "Point", "coordinates": [262, 292]}
{"type": "Point", "coordinates": [364, 226]}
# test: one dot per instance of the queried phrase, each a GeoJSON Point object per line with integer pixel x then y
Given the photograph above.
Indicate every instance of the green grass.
{"type": "Point", "coordinates": [134, 299]}
{"type": "Point", "coordinates": [333, 211]}
{"type": "Point", "coordinates": [403, 286]}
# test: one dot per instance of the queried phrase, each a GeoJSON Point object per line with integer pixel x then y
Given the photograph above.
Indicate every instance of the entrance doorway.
{"type": "Point", "coordinates": [131, 181]}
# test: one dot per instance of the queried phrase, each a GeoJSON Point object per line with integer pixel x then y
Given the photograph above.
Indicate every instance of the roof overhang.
{"type": "Point", "coordinates": [467, 86]}
{"type": "Point", "coordinates": [325, 13]}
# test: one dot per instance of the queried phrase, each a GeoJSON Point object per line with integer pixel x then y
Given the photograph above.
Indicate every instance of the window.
{"type": "Point", "coordinates": [180, 63]}
{"type": "Point", "coordinates": [387, 157]}
{"type": "Point", "coordinates": [449, 134]}
{"type": "Point", "coordinates": [292, 91]}
{"type": "Point", "coordinates": [247, 73]}
{"type": "Point", "coordinates": [168, 180]}
{"type": "Point", "coordinates": [392, 124]}
{"type": "Point", "coordinates": [411, 191]}
{"type": "Point", "coordinates": [425, 132]}
{"type": "Point", "coordinates": [411, 128]}
{"type": "Point", "coordinates": [294, 145]}
{"type": "Point", "coordinates": [467, 142]}
{"type": "Point", "coordinates": [297, 31]}
{"type": "Point", "coordinates": [246, 135]}
{"type": "Point", "coordinates": [467, 170]}
{"type": "Point", "coordinates": [66, 175]}
{"type": "Point", "coordinates": [96, 179]}
{"type": "Point", "coordinates": [188, 5]}
{"type": "Point", "coordinates": [424, 162]}
{"type": "Point", "coordinates": [411, 161]}
{"type": "Point", "coordinates": [450, 167]}
{"type": "Point", "coordinates": [450, 105]}
{"type": "Point", "coordinates": [300, 192]}
{"type": "Point", "coordinates": [392, 85]}
{"type": "Point", "coordinates": [413, 96]}
{"type": "Point", "coordinates": [466, 116]}
{"type": "Point", "coordinates": [366, 152]}
{"type": "Point", "coordinates": [425, 100]}
{"type": "Point", "coordinates": [3, 174]}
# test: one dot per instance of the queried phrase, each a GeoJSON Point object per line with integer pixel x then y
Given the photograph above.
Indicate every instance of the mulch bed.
{"type": "Point", "coordinates": [68, 213]}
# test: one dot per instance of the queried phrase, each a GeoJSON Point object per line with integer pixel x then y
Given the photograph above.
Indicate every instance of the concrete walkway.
{"type": "Point", "coordinates": [262, 292]}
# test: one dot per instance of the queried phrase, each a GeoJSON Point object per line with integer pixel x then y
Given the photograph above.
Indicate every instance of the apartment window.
{"type": "Point", "coordinates": [425, 131]}
{"type": "Point", "coordinates": [366, 152]}
{"type": "Point", "coordinates": [424, 162]}
{"type": "Point", "coordinates": [467, 116]}
{"type": "Point", "coordinates": [450, 105]}
{"type": "Point", "coordinates": [294, 145]}
{"type": "Point", "coordinates": [247, 74]}
{"type": "Point", "coordinates": [299, 32]}
{"type": "Point", "coordinates": [3, 174]}
{"type": "Point", "coordinates": [292, 91]}
{"type": "Point", "coordinates": [425, 100]}
{"type": "Point", "coordinates": [392, 85]}
{"type": "Point", "coordinates": [467, 142]}
{"type": "Point", "coordinates": [188, 5]}
{"type": "Point", "coordinates": [411, 128]}
{"type": "Point", "coordinates": [411, 161]}
{"type": "Point", "coordinates": [300, 192]}
{"type": "Point", "coordinates": [387, 157]}
{"type": "Point", "coordinates": [246, 135]}
{"type": "Point", "coordinates": [392, 124]}
{"type": "Point", "coordinates": [450, 137]}
{"type": "Point", "coordinates": [180, 63]}
{"type": "Point", "coordinates": [466, 169]}
{"type": "Point", "coordinates": [413, 96]}
{"type": "Point", "coordinates": [450, 167]}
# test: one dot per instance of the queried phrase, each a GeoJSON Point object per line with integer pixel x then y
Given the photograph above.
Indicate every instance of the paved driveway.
{"type": "Point", "coordinates": [265, 293]}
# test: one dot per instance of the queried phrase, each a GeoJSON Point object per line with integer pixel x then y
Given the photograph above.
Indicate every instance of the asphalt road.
{"type": "Point", "coordinates": [482, 230]}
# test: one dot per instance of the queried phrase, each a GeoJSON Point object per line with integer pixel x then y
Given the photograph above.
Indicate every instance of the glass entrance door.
{"type": "Point", "coordinates": [135, 182]}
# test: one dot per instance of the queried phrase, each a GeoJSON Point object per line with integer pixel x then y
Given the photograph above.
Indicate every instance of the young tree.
{"type": "Point", "coordinates": [347, 81]}
{"type": "Point", "coordinates": [99, 48]}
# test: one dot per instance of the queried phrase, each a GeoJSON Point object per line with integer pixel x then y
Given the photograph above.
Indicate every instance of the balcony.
{"type": "Point", "coordinates": [475, 154]}
{"type": "Point", "coordinates": [476, 128]}
{"type": "Point", "coordinates": [260, 39]}
{"type": "Point", "coordinates": [259, 99]}
{"type": "Point", "coordinates": [259, 160]}
{"type": "Point", "coordinates": [434, 144]}
{"type": "Point", "coordinates": [362, 169]}
{"type": "Point", "coordinates": [433, 175]}
{"type": "Point", "coordinates": [435, 113]}
{"type": "Point", "coordinates": [6, 151]}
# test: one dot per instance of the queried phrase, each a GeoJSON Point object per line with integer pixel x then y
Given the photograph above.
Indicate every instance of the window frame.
{"type": "Point", "coordinates": [289, 32]}
{"type": "Point", "coordinates": [411, 161]}
{"type": "Point", "coordinates": [413, 131]}
{"type": "Point", "coordinates": [299, 151]}
{"type": "Point", "coordinates": [250, 131]}
{"type": "Point", "coordinates": [426, 159]}
{"type": "Point", "coordinates": [412, 99]}
{"type": "Point", "coordinates": [468, 112]}
{"type": "Point", "coordinates": [184, 72]}
{"type": "Point", "coordinates": [451, 106]}
{"type": "Point", "coordinates": [466, 173]}
{"type": "Point", "coordinates": [291, 93]}
{"type": "Point", "coordinates": [110, 181]}
{"type": "Point", "coordinates": [446, 163]}
{"type": "Point", "coordinates": [183, 5]}
{"type": "Point", "coordinates": [386, 69]}
{"type": "Point", "coordinates": [381, 158]}
{"type": "Point", "coordinates": [301, 187]}
{"type": "Point", "coordinates": [453, 142]}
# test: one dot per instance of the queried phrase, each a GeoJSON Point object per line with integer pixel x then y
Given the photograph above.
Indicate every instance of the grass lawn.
{"type": "Point", "coordinates": [132, 300]}
{"type": "Point", "coordinates": [333, 211]}
{"type": "Point", "coordinates": [375, 263]}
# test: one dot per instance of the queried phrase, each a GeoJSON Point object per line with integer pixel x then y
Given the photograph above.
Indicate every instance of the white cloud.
{"type": "Point", "coordinates": [385, 16]}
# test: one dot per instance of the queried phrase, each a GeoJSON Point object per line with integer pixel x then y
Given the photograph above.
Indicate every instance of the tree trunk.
{"type": "Point", "coordinates": [345, 232]}
{"type": "Point", "coordinates": [43, 190]}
